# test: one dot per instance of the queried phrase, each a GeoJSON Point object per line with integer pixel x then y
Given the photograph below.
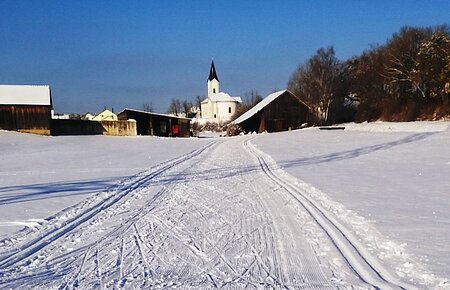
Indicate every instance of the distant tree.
{"type": "Point", "coordinates": [320, 82]}
{"type": "Point", "coordinates": [198, 101]}
{"type": "Point", "coordinates": [405, 77]}
{"type": "Point", "coordinates": [75, 116]}
{"type": "Point", "coordinates": [433, 65]}
{"type": "Point", "coordinates": [400, 62]}
{"type": "Point", "coordinates": [174, 107]}
{"type": "Point", "coordinates": [249, 101]}
{"type": "Point", "coordinates": [186, 107]}
{"type": "Point", "coordinates": [367, 81]}
{"type": "Point", "coordinates": [147, 107]}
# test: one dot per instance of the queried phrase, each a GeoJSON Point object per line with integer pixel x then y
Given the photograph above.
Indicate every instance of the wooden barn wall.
{"type": "Point", "coordinates": [87, 127]}
{"type": "Point", "coordinates": [284, 113]}
{"type": "Point", "coordinates": [252, 124]}
{"type": "Point", "coordinates": [30, 119]}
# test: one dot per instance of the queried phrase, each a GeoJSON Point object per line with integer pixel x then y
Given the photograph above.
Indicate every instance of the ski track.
{"type": "Point", "coordinates": [359, 259]}
{"type": "Point", "coordinates": [219, 217]}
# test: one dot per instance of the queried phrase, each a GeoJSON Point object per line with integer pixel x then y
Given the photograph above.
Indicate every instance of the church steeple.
{"type": "Point", "coordinates": [212, 72]}
{"type": "Point", "coordinates": [213, 81]}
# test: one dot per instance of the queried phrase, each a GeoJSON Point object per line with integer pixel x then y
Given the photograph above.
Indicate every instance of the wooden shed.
{"type": "Point", "coordinates": [280, 111]}
{"type": "Point", "coordinates": [148, 123]}
{"type": "Point", "coordinates": [25, 108]}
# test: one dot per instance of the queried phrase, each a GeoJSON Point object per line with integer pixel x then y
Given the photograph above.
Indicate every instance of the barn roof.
{"type": "Point", "coordinates": [261, 105]}
{"type": "Point", "coordinates": [25, 95]}
{"type": "Point", "coordinates": [154, 114]}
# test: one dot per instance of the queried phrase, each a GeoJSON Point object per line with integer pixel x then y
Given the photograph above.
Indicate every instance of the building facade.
{"type": "Point", "coordinates": [218, 107]}
{"type": "Point", "coordinates": [106, 115]}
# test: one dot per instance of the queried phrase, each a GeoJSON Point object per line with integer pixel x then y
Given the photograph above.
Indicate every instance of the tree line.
{"type": "Point", "coordinates": [407, 78]}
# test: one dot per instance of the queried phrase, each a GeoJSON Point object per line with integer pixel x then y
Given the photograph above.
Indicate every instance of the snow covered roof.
{"type": "Point", "coordinates": [223, 97]}
{"type": "Point", "coordinates": [258, 107]}
{"type": "Point", "coordinates": [25, 95]}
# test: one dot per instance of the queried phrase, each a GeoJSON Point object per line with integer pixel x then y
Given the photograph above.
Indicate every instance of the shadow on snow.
{"type": "Point", "coordinates": [23, 193]}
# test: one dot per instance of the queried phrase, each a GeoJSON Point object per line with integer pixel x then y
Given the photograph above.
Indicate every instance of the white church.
{"type": "Point", "coordinates": [219, 107]}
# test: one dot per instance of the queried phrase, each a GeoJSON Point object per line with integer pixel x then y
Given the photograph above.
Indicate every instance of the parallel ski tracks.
{"type": "Point", "coordinates": [227, 239]}
{"type": "Point", "coordinates": [45, 238]}
{"type": "Point", "coordinates": [359, 259]}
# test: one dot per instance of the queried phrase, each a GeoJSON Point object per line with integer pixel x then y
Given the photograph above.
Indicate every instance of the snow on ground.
{"type": "Point", "coordinates": [393, 176]}
{"type": "Point", "coordinates": [365, 207]}
{"type": "Point", "coordinates": [40, 175]}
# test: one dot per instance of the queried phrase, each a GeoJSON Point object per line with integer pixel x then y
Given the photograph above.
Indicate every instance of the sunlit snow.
{"type": "Point", "coordinates": [363, 207]}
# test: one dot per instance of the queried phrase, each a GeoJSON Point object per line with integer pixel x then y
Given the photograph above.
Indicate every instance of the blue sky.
{"type": "Point", "coordinates": [125, 53]}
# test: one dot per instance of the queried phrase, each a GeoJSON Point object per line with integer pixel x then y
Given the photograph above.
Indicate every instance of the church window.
{"type": "Point", "coordinates": [214, 91]}
{"type": "Point", "coordinates": [214, 115]}
{"type": "Point", "coordinates": [229, 110]}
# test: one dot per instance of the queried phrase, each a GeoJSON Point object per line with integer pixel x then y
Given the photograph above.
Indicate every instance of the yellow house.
{"type": "Point", "coordinates": [106, 115]}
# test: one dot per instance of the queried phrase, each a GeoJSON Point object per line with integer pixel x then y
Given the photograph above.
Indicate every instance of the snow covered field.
{"type": "Point", "coordinates": [365, 207]}
{"type": "Point", "coordinates": [40, 176]}
{"type": "Point", "coordinates": [394, 176]}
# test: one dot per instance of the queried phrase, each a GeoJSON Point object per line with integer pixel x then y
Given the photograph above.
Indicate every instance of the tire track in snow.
{"type": "Point", "coordinates": [360, 260]}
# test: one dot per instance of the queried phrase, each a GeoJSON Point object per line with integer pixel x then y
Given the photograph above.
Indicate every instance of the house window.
{"type": "Point", "coordinates": [229, 110]}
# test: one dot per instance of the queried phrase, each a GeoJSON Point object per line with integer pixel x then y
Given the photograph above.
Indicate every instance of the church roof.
{"type": "Point", "coordinates": [222, 97]}
{"type": "Point", "coordinates": [212, 72]}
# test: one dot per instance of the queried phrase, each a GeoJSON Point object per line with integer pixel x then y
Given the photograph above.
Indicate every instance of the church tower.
{"type": "Point", "coordinates": [213, 81]}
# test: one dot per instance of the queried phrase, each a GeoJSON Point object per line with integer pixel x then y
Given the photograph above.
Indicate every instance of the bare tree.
{"type": "Point", "coordinates": [147, 107]}
{"type": "Point", "coordinates": [186, 107]}
{"type": "Point", "coordinates": [405, 77]}
{"type": "Point", "coordinates": [320, 82]}
{"type": "Point", "coordinates": [433, 66]}
{"type": "Point", "coordinates": [249, 101]}
{"type": "Point", "coordinates": [198, 101]}
{"type": "Point", "coordinates": [400, 63]}
{"type": "Point", "coordinates": [174, 107]}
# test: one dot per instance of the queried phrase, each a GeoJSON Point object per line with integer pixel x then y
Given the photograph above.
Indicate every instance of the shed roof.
{"type": "Point", "coordinates": [151, 113]}
{"type": "Point", "coordinates": [261, 105]}
{"type": "Point", "coordinates": [25, 95]}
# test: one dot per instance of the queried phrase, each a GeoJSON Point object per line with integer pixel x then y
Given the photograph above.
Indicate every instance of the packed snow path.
{"type": "Point", "coordinates": [222, 216]}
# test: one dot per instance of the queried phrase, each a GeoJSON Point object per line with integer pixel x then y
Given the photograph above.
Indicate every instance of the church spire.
{"type": "Point", "coordinates": [212, 72]}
